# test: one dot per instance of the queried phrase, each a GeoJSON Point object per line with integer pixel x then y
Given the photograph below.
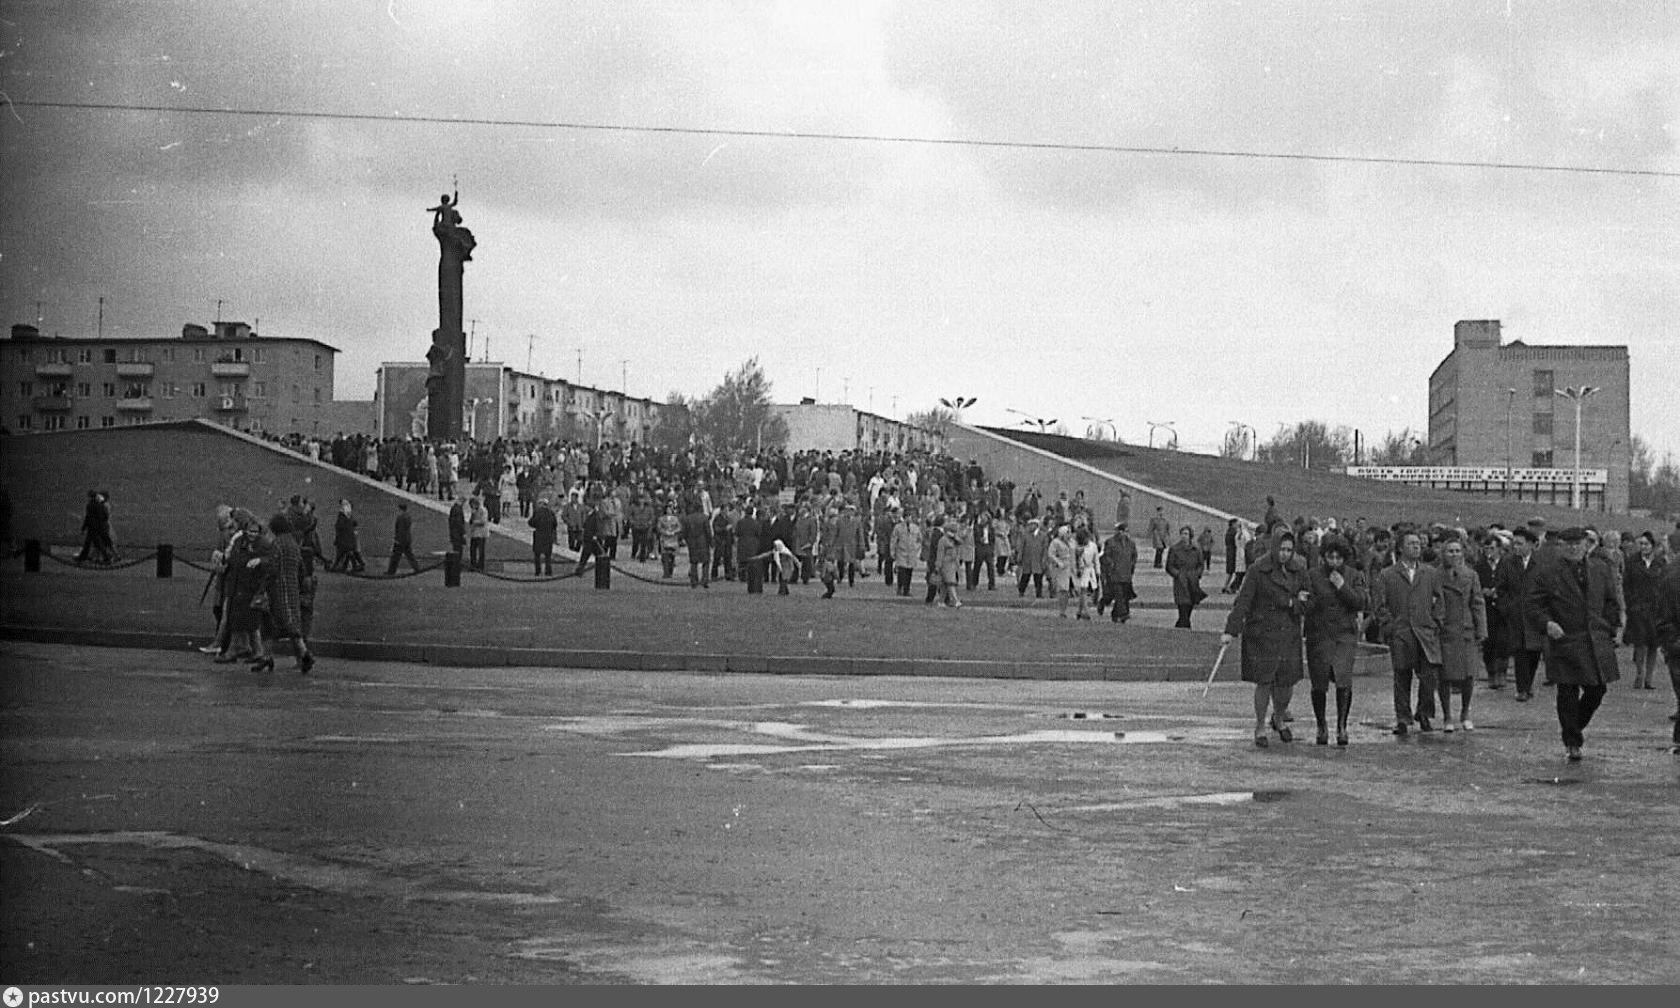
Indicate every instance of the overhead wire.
{"type": "Point", "coordinates": [712, 131]}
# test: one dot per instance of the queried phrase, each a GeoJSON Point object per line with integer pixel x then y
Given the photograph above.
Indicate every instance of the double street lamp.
{"type": "Point", "coordinates": [956, 404]}
{"type": "Point", "coordinates": [1579, 395]}
{"type": "Point", "coordinates": [1098, 424]}
{"type": "Point", "coordinates": [1249, 443]}
{"type": "Point", "coordinates": [1042, 423]}
{"type": "Point", "coordinates": [1168, 425]}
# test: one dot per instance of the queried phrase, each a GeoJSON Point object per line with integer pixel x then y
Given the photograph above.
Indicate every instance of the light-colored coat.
{"type": "Point", "coordinates": [1463, 624]}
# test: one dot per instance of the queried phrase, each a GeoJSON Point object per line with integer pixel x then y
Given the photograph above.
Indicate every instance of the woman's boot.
{"type": "Point", "coordinates": [1318, 705]}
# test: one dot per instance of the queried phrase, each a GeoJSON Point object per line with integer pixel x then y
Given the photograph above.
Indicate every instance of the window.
{"type": "Point", "coordinates": [83, 423]}
{"type": "Point", "coordinates": [55, 422]}
{"type": "Point", "coordinates": [1543, 424]}
{"type": "Point", "coordinates": [108, 421]}
{"type": "Point", "coordinates": [1543, 459]}
{"type": "Point", "coordinates": [1543, 384]}
{"type": "Point", "coordinates": [318, 360]}
{"type": "Point", "coordinates": [84, 355]}
{"type": "Point", "coordinates": [198, 390]}
{"type": "Point", "coordinates": [84, 389]}
{"type": "Point", "coordinates": [109, 389]}
{"type": "Point", "coordinates": [256, 355]}
{"type": "Point", "coordinates": [139, 354]}
{"type": "Point", "coordinates": [198, 355]}
{"type": "Point", "coordinates": [297, 393]}
{"type": "Point", "coordinates": [25, 421]}
{"type": "Point", "coordinates": [169, 354]}
{"type": "Point", "coordinates": [25, 356]}
{"type": "Point", "coordinates": [238, 353]}
{"type": "Point", "coordinates": [26, 389]}
{"type": "Point", "coordinates": [259, 390]}
{"type": "Point", "coordinates": [109, 355]}
{"type": "Point", "coordinates": [317, 396]}
{"type": "Point", "coordinates": [169, 391]}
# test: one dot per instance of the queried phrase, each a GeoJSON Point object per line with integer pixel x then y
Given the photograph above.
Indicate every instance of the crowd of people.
{"type": "Point", "coordinates": [263, 582]}
{"type": "Point", "coordinates": [1451, 604]}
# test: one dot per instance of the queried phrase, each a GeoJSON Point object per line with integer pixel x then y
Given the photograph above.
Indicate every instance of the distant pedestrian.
{"type": "Point", "coordinates": [1184, 566]}
{"type": "Point", "coordinates": [347, 547]}
{"type": "Point", "coordinates": [478, 532]}
{"type": "Point", "coordinates": [402, 540]}
{"type": "Point", "coordinates": [1160, 534]}
{"type": "Point", "coordinates": [545, 529]}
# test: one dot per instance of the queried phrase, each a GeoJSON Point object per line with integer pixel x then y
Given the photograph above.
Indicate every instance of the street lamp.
{"type": "Point", "coordinates": [1030, 419]}
{"type": "Point", "coordinates": [1578, 394]}
{"type": "Point", "coordinates": [1510, 397]}
{"type": "Point", "coordinates": [957, 404]}
{"type": "Point", "coordinates": [1098, 424]}
{"type": "Point", "coordinates": [1168, 424]}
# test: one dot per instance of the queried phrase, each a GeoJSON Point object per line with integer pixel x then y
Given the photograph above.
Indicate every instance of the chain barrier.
{"type": "Point", "coordinates": [673, 582]}
{"type": "Point", "coordinates": [394, 577]}
{"type": "Point", "coordinates": [206, 568]}
{"type": "Point", "coordinates": [523, 580]}
{"type": "Point", "coordinates": [88, 565]}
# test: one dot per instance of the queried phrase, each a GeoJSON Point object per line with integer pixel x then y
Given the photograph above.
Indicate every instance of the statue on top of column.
{"type": "Point", "coordinates": [446, 226]}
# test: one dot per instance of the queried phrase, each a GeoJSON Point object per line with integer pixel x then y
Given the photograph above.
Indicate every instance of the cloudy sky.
{"type": "Point", "coordinates": [1064, 283]}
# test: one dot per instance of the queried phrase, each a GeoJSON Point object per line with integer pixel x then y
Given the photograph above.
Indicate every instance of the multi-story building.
{"type": "Point", "coordinates": [227, 373]}
{"type": "Point", "coordinates": [1495, 405]}
{"type": "Point", "coordinates": [503, 402]}
{"type": "Point", "coordinates": [814, 426]}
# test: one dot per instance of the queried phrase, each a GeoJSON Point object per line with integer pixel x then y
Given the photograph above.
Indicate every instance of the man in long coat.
{"type": "Point", "coordinates": [697, 539]}
{"type": "Point", "coordinates": [1160, 533]}
{"type": "Point", "coordinates": [1574, 596]}
{"type": "Point", "coordinates": [849, 543]}
{"type": "Point", "coordinates": [1030, 557]}
{"type": "Point", "coordinates": [1118, 564]}
{"type": "Point", "coordinates": [1409, 608]}
{"type": "Point", "coordinates": [1525, 637]}
{"type": "Point", "coordinates": [545, 528]}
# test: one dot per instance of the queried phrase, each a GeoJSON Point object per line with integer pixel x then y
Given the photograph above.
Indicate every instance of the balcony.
{"type": "Point", "coordinates": [138, 404]}
{"type": "Point", "coordinates": [135, 369]}
{"type": "Point", "coordinates": [230, 369]}
{"type": "Point", "coordinates": [231, 404]}
{"type": "Point", "coordinates": [53, 403]}
{"type": "Point", "coordinates": [54, 369]}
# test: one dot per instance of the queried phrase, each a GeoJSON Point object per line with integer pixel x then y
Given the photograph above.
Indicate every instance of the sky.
{"type": "Point", "coordinates": [1309, 270]}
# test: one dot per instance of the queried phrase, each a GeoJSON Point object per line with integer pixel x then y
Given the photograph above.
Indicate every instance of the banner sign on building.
{"type": "Point", "coordinates": [1478, 474]}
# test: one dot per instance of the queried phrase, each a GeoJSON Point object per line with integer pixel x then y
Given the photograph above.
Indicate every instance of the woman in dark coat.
{"type": "Point", "coordinates": [1339, 595]}
{"type": "Point", "coordinates": [1641, 576]}
{"type": "Point", "coordinates": [241, 582]}
{"type": "Point", "coordinates": [1267, 614]}
{"type": "Point", "coordinates": [346, 546]}
{"type": "Point", "coordinates": [282, 572]}
{"type": "Point", "coordinates": [1185, 566]}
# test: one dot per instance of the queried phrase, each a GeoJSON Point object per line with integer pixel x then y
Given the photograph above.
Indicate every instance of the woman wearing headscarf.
{"type": "Point", "coordinates": [282, 572]}
{"type": "Point", "coordinates": [1267, 614]}
{"type": "Point", "coordinates": [1184, 566]}
{"type": "Point", "coordinates": [1339, 595]}
{"type": "Point", "coordinates": [1463, 629]}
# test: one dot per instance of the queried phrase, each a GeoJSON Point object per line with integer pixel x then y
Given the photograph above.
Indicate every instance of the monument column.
{"type": "Point", "coordinates": [446, 378]}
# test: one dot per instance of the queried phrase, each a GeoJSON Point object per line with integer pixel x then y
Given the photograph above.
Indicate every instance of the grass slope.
{"type": "Point", "coordinates": [1241, 488]}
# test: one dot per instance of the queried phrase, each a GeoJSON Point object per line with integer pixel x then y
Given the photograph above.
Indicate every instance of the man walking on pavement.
{"type": "Point", "coordinates": [1575, 598]}
{"type": "Point", "coordinates": [1409, 607]}
{"type": "Point", "coordinates": [1160, 535]}
{"type": "Point", "coordinates": [402, 540]}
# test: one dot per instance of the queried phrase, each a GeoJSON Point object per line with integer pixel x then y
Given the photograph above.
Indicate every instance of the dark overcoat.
{"type": "Point", "coordinates": [1639, 587]}
{"type": "Point", "coordinates": [545, 526]}
{"type": "Point", "coordinates": [282, 570]}
{"type": "Point", "coordinates": [1184, 565]}
{"type": "Point", "coordinates": [1579, 598]}
{"type": "Point", "coordinates": [1267, 615]}
{"type": "Point", "coordinates": [1511, 581]}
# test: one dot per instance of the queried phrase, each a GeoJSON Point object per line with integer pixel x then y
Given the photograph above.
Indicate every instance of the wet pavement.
{"type": "Point", "coordinates": [170, 820]}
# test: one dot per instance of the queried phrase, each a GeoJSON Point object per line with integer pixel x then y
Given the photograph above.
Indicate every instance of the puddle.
{"type": "Point", "coordinates": [323, 876]}
{"type": "Point", "coordinates": [1558, 781]}
{"type": "Point", "coordinates": [1170, 801]}
{"type": "Point", "coordinates": [707, 750]}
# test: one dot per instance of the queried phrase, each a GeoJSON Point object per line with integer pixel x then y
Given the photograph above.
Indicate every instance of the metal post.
{"type": "Point", "coordinates": [452, 569]}
{"type": "Point", "coordinates": [32, 556]}
{"type": "Point", "coordinates": [603, 572]}
{"type": "Point", "coordinates": [165, 560]}
{"type": "Point", "coordinates": [1575, 481]}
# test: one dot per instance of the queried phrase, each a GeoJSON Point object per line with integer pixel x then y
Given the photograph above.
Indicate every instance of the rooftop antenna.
{"type": "Point", "coordinates": [99, 331]}
{"type": "Point", "coordinates": [472, 328]}
{"type": "Point", "coordinates": [218, 309]}
{"type": "Point", "coordinates": [530, 348]}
